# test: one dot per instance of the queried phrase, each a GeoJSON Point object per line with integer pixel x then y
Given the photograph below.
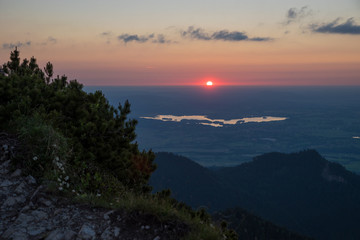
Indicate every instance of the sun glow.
{"type": "Point", "coordinates": [209, 83]}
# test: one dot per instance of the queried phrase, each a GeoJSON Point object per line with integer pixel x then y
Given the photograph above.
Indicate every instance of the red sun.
{"type": "Point", "coordinates": [209, 83]}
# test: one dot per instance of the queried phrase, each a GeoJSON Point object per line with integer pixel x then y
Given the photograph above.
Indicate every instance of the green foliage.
{"type": "Point", "coordinates": [44, 146]}
{"type": "Point", "coordinates": [101, 137]}
{"type": "Point", "coordinates": [165, 209]}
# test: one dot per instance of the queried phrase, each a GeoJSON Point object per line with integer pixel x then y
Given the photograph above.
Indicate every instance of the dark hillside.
{"type": "Point", "coordinates": [249, 227]}
{"type": "Point", "coordinates": [301, 191]}
{"type": "Point", "coordinates": [189, 182]}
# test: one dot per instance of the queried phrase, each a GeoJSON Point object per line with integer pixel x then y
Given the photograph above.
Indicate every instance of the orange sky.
{"type": "Point", "coordinates": [163, 43]}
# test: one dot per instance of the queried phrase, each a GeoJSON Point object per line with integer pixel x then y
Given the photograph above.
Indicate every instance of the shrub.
{"type": "Point", "coordinates": [44, 148]}
{"type": "Point", "coordinates": [101, 137]}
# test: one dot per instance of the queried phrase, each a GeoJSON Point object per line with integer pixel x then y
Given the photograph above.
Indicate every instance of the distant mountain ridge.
{"type": "Point", "coordinates": [301, 191]}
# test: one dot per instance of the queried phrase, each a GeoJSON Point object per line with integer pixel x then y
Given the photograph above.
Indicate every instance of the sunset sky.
{"type": "Point", "coordinates": [162, 42]}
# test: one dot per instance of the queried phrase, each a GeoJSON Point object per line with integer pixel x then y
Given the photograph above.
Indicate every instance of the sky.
{"type": "Point", "coordinates": [162, 42]}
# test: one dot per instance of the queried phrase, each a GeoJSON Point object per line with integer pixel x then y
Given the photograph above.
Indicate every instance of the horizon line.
{"type": "Point", "coordinates": [225, 85]}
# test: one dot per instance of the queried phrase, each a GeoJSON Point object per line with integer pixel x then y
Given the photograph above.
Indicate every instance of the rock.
{"type": "Point", "coordinates": [8, 233]}
{"type": "Point", "coordinates": [24, 220]}
{"type": "Point", "coordinates": [13, 201]}
{"type": "Point", "coordinates": [57, 234]}
{"type": "Point", "coordinates": [89, 217]}
{"type": "Point", "coordinates": [61, 234]}
{"type": "Point", "coordinates": [26, 208]}
{"type": "Point", "coordinates": [107, 234]}
{"type": "Point", "coordinates": [14, 234]}
{"type": "Point", "coordinates": [39, 215]}
{"type": "Point", "coordinates": [36, 230]}
{"type": "Point", "coordinates": [6, 183]}
{"type": "Point", "coordinates": [116, 231]}
{"type": "Point", "coordinates": [106, 215]}
{"type": "Point", "coordinates": [5, 164]}
{"type": "Point", "coordinates": [45, 202]}
{"type": "Point", "coordinates": [86, 232]}
{"type": "Point", "coordinates": [20, 188]}
{"type": "Point", "coordinates": [3, 170]}
{"type": "Point", "coordinates": [69, 235]}
{"type": "Point", "coordinates": [30, 180]}
{"type": "Point", "coordinates": [29, 210]}
{"type": "Point", "coordinates": [9, 202]}
{"type": "Point", "coordinates": [17, 173]}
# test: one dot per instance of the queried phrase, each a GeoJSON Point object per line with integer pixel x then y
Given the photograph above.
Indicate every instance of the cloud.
{"type": "Point", "coordinates": [348, 27]}
{"type": "Point", "coordinates": [294, 14]}
{"type": "Point", "coordinates": [229, 36]}
{"type": "Point", "coordinates": [161, 39]}
{"type": "Point", "coordinates": [261, 39]}
{"type": "Point", "coordinates": [106, 34]}
{"type": "Point", "coordinates": [158, 38]}
{"type": "Point", "coordinates": [134, 38]}
{"type": "Point", "coordinates": [222, 35]}
{"type": "Point", "coordinates": [51, 40]}
{"type": "Point", "coordinates": [191, 33]}
{"type": "Point", "coordinates": [18, 44]}
{"type": "Point", "coordinates": [198, 34]}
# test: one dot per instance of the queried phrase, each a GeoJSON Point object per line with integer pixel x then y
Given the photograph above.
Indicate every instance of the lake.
{"type": "Point", "coordinates": [225, 126]}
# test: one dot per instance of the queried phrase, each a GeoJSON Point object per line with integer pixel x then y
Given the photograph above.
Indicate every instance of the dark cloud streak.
{"type": "Point", "coordinates": [18, 44]}
{"type": "Point", "coordinates": [261, 39]}
{"type": "Point", "coordinates": [229, 36]}
{"type": "Point", "coordinates": [222, 35]}
{"type": "Point", "coordinates": [197, 33]}
{"type": "Point", "coordinates": [133, 38]}
{"type": "Point", "coordinates": [159, 38]}
{"type": "Point", "coordinates": [348, 27]}
{"type": "Point", "coordinates": [105, 34]}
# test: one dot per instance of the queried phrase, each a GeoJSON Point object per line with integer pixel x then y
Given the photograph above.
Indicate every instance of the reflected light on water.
{"type": "Point", "coordinates": [204, 120]}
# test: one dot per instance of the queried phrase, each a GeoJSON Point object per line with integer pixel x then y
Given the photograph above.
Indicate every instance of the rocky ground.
{"type": "Point", "coordinates": [29, 211]}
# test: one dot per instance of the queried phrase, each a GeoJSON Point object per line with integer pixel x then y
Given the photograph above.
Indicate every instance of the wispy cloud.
{"type": "Point", "coordinates": [222, 35]}
{"type": "Point", "coordinates": [153, 38]}
{"type": "Point", "coordinates": [160, 38]}
{"type": "Point", "coordinates": [348, 27]}
{"type": "Point", "coordinates": [295, 14]}
{"type": "Point", "coordinates": [134, 38]}
{"type": "Point", "coordinates": [190, 33]}
{"type": "Point", "coordinates": [197, 33]}
{"type": "Point", "coordinates": [18, 44]}
{"type": "Point", "coordinates": [52, 40]}
{"type": "Point", "coordinates": [261, 39]}
{"type": "Point", "coordinates": [106, 34]}
{"type": "Point", "coordinates": [229, 36]}
{"type": "Point", "coordinates": [49, 40]}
